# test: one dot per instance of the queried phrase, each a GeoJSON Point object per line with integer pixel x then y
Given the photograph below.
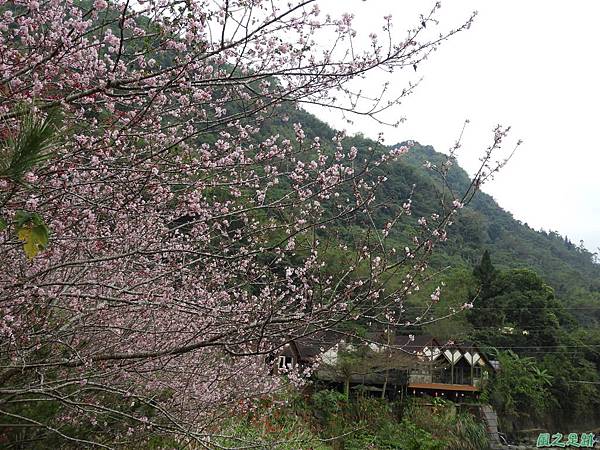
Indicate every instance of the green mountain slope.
{"type": "Point", "coordinates": [514, 244]}
{"type": "Point", "coordinates": [482, 225]}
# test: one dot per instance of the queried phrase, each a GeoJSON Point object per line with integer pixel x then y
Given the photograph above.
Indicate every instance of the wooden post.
{"type": "Point", "coordinates": [472, 380]}
{"type": "Point", "coordinates": [347, 387]}
{"type": "Point", "coordinates": [431, 363]}
{"type": "Point", "coordinates": [387, 368]}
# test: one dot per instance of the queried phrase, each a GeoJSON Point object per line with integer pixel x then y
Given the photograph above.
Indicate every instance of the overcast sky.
{"type": "Point", "coordinates": [530, 64]}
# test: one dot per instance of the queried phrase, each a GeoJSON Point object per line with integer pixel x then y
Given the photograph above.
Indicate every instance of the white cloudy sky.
{"type": "Point", "coordinates": [530, 64]}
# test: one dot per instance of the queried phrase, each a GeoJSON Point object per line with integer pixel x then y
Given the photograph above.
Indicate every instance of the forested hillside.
{"type": "Point", "coordinates": [568, 268]}
{"type": "Point", "coordinates": [483, 224]}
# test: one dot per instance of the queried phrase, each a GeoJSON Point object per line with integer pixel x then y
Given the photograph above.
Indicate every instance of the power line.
{"type": "Point", "coordinates": [509, 325]}
{"type": "Point", "coordinates": [539, 347]}
{"type": "Point", "coordinates": [525, 308]}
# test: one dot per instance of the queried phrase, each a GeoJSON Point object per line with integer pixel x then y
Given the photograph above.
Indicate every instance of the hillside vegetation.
{"type": "Point", "coordinates": [569, 269]}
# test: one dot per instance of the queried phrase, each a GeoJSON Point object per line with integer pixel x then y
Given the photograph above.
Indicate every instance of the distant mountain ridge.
{"type": "Point", "coordinates": [485, 224]}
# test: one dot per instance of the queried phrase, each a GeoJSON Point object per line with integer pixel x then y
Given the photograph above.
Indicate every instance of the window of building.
{"type": "Point", "coordinates": [285, 362]}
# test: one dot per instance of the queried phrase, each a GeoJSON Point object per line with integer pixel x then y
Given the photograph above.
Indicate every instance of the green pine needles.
{"type": "Point", "coordinates": [29, 147]}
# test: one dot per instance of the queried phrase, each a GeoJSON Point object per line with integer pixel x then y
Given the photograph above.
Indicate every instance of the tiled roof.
{"type": "Point", "coordinates": [311, 346]}
{"type": "Point", "coordinates": [317, 343]}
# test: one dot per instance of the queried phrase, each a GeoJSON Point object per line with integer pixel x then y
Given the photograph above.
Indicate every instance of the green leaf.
{"type": "Point", "coordinates": [21, 218]}
{"type": "Point", "coordinates": [3, 224]}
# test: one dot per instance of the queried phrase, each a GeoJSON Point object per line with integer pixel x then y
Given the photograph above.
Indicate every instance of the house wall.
{"type": "Point", "coordinates": [421, 375]}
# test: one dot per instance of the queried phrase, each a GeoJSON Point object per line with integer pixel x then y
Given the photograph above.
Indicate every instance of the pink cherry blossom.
{"type": "Point", "coordinates": [175, 212]}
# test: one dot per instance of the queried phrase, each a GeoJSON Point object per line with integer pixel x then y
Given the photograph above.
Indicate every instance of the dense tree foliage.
{"type": "Point", "coordinates": [521, 392]}
{"type": "Point", "coordinates": [548, 363]}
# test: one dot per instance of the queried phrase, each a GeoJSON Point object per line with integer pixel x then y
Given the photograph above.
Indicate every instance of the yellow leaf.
{"type": "Point", "coordinates": [31, 249]}
{"type": "Point", "coordinates": [23, 233]}
{"type": "Point", "coordinates": [34, 237]}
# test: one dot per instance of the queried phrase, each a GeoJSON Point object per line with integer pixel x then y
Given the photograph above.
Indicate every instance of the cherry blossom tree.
{"type": "Point", "coordinates": [156, 249]}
